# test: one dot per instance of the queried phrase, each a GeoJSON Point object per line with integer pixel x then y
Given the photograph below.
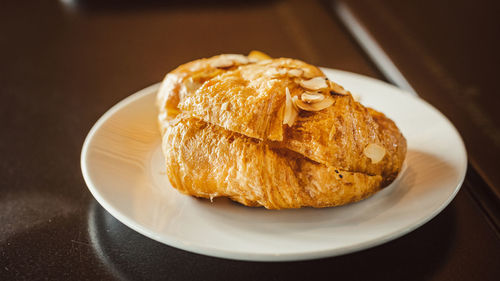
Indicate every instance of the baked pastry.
{"type": "Point", "coordinates": [274, 133]}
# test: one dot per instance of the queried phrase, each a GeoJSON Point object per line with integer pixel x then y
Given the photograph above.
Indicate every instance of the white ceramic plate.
{"type": "Point", "coordinates": [123, 167]}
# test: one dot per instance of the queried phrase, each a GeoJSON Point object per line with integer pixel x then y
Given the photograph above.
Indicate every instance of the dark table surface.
{"type": "Point", "coordinates": [64, 63]}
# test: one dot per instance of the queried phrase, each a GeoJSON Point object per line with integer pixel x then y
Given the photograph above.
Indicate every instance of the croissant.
{"type": "Point", "coordinates": [274, 133]}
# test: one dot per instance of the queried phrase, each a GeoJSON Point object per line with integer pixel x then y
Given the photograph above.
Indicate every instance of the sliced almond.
{"type": "Point", "coordinates": [294, 103]}
{"type": "Point", "coordinates": [290, 112]}
{"type": "Point", "coordinates": [240, 59]}
{"type": "Point", "coordinates": [276, 72]}
{"type": "Point", "coordinates": [316, 83]}
{"type": "Point", "coordinates": [356, 97]}
{"type": "Point", "coordinates": [337, 89]}
{"type": "Point", "coordinates": [272, 72]}
{"type": "Point", "coordinates": [307, 73]}
{"type": "Point", "coordinates": [312, 97]}
{"type": "Point", "coordinates": [295, 72]}
{"type": "Point", "coordinates": [375, 152]}
{"type": "Point", "coordinates": [317, 106]}
{"type": "Point", "coordinates": [222, 63]}
{"type": "Point", "coordinates": [258, 55]}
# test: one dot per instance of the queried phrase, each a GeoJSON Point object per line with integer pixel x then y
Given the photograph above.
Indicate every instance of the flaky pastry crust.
{"type": "Point", "coordinates": [224, 134]}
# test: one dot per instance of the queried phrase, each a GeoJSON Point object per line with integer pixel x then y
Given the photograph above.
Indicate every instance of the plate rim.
{"type": "Point", "coordinates": [261, 257]}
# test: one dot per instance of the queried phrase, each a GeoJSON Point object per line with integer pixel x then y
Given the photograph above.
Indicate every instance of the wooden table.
{"type": "Point", "coordinates": [64, 63]}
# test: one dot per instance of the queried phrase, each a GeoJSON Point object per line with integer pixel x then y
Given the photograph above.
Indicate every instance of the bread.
{"type": "Point", "coordinates": [273, 133]}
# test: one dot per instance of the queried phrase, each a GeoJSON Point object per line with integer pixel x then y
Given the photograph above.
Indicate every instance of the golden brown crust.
{"type": "Point", "coordinates": [187, 78]}
{"type": "Point", "coordinates": [248, 100]}
{"type": "Point", "coordinates": [338, 135]}
{"type": "Point", "coordinates": [207, 161]}
{"type": "Point", "coordinates": [229, 138]}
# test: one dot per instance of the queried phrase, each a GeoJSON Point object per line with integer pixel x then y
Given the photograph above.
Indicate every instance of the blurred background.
{"type": "Point", "coordinates": [64, 63]}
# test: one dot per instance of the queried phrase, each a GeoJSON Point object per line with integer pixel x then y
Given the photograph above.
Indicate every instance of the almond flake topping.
{"type": "Point", "coordinates": [307, 73]}
{"type": "Point", "coordinates": [272, 72]}
{"type": "Point", "coordinates": [295, 72]}
{"type": "Point", "coordinates": [337, 89]}
{"type": "Point", "coordinates": [375, 152]}
{"type": "Point", "coordinates": [312, 97]}
{"type": "Point", "coordinates": [316, 83]}
{"type": "Point", "coordinates": [290, 110]}
{"type": "Point", "coordinates": [316, 106]}
{"type": "Point", "coordinates": [276, 72]}
{"type": "Point", "coordinates": [255, 56]}
{"type": "Point", "coordinates": [240, 59]}
{"type": "Point", "coordinates": [294, 103]}
{"type": "Point", "coordinates": [228, 60]}
{"type": "Point", "coordinates": [222, 63]}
